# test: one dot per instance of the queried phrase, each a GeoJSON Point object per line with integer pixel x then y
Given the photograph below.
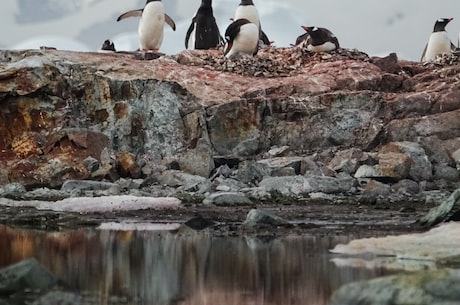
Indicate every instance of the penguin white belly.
{"type": "Point", "coordinates": [151, 26]}
{"type": "Point", "coordinates": [248, 12]}
{"type": "Point", "coordinates": [439, 43]}
{"type": "Point", "coordinates": [325, 47]}
{"type": "Point", "coordinates": [246, 41]}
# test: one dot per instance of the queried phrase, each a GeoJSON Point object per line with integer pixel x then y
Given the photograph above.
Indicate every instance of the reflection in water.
{"type": "Point", "coordinates": [185, 267]}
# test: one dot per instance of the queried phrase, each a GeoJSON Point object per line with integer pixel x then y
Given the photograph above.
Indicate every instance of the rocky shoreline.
{"type": "Point", "coordinates": [283, 126]}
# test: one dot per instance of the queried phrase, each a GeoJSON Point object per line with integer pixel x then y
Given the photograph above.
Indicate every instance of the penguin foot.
{"type": "Point", "coordinates": [149, 55]}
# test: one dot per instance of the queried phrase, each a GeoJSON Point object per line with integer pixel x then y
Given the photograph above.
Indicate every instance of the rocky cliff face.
{"type": "Point", "coordinates": [68, 115]}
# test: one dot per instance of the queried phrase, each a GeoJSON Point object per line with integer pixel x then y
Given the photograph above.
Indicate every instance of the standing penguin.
{"type": "Point", "coordinates": [151, 25]}
{"type": "Point", "coordinates": [242, 37]}
{"type": "Point", "coordinates": [247, 10]}
{"type": "Point", "coordinates": [320, 40]}
{"type": "Point", "coordinates": [439, 42]}
{"type": "Point", "coordinates": [203, 32]}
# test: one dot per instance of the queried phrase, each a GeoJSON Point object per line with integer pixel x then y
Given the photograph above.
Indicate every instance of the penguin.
{"type": "Point", "coordinates": [320, 40]}
{"type": "Point", "coordinates": [203, 32]}
{"type": "Point", "coordinates": [108, 45]}
{"type": "Point", "coordinates": [247, 10]}
{"type": "Point", "coordinates": [242, 37]}
{"type": "Point", "coordinates": [439, 42]}
{"type": "Point", "coordinates": [151, 25]}
{"type": "Point", "coordinates": [300, 39]}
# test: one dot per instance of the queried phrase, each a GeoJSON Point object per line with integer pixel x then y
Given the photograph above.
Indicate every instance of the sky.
{"type": "Point", "coordinates": [375, 27]}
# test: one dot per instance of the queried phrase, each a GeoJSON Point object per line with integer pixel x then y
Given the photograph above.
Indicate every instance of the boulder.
{"type": "Point", "coordinates": [264, 217]}
{"type": "Point", "coordinates": [421, 288]}
{"type": "Point", "coordinates": [26, 275]}
{"type": "Point", "coordinates": [227, 199]}
{"type": "Point", "coordinates": [300, 185]}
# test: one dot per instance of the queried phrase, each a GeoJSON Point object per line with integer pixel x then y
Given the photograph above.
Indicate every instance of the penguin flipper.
{"type": "Point", "coordinates": [424, 52]}
{"type": "Point", "coordinates": [170, 22]}
{"type": "Point", "coordinates": [133, 13]}
{"type": "Point", "coordinates": [264, 38]}
{"type": "Point", "coordinates": [189, 32]}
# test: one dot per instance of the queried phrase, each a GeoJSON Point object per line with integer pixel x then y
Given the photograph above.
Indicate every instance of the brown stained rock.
{"type": "Point", "coordinates": [388, 63]}
{"type": "Point", "coordinates": [127, 166]}
{"type": "Point", "coordinates": [421, 168]}
{"type": "Point", "coordinates": [26, 145]}
{"type": "Point", "coordinates": [394, 165]}
{"type": "Point", "coordinates": [92, 142]}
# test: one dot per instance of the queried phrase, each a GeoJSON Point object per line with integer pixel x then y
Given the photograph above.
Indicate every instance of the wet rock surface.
{"type": "Point", "coordinates": [420, 288]}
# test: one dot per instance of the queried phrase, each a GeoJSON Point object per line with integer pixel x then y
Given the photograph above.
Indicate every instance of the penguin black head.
{"type": "Point", "coordinates": [246, 2]}
{"type": "Point", "coordinates": [242, 37]}
{"type": "Point", "coordinates": [441, 23]}
{"type": "Point", "coordinates": [233, 30]}
{"type": "Point", "coordinates": [108, 46]}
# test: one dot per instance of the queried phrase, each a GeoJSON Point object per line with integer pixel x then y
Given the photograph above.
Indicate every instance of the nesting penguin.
{"type": "Point", "coordinates": [319, 39]}
{"type": "Point", "coordinates": [301, 39]}
{"type": "Point", "coordinates": [108, 46]}
{"type": "Point", "coordinates": [247, 10]}
{"type": "Point", "coordinates": [439, 42]}
{"type": "Point", "coordinates": [242, 37]}
{"type": "Point", "coordinates": [151, 25]}
{"type": "Point", "coordinates": [203, 32]}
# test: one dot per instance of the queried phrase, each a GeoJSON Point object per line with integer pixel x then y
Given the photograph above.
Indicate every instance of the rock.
{"type": "Point", "coordinates": [420, 168]}
{"type": "Point", "coordinates": [184, 181]}
{"type": "Point", "coordinates": [128, 167]}
{"type": "Point", "coordinates": [298, 185]}
{"type": "Point", "coordinates": [436, 244]}
{"type": "Point", "coordinates": [388, 64]}
{"type": "Point", "coordinates": [456, 157]}
{"type": "Point", "coordinates": [58, 298]}
{"type": "Point", "coordinates": [28, 274]}
{"type": "Point", "coordinates": [92, 164]}
{"type": "Point", "coordinates": [12, 190]}
{"type": "Point", "coordinates": [393, 165]}
{"type": "Point", "coordinates": [263, 217]}
{"type": "Point", "coordinates": [447, 208]}
{"type": "Point", "coordinates": [279, 151]}
{"type": "Point", "coordinates": [366, 171]}
{"type": "Point", "coordinates": [373, 188]}
{"type": "Point", "coordinates": [406, 187]}
{"type": "Point", "coordinates": [277, 165]}
{"type": "Point", "coordinates": [45, 194]}
{"type": "Point", "coordinates": [421, 288]}
{"type": "Point", "coordinates": [79, 186]}
{"type": "Point", "coordinates": [445, 173]}
{"type": "Point", "coordinates": [348, 160]}
{"type": "Point", "coordinates": [98, 204]}
{"type": "Point", "coordinates": [251, 172]}
{"type": "Point", "coordinates": [228, 185]}
{"type": "Point", "coordinates": [227, 199]}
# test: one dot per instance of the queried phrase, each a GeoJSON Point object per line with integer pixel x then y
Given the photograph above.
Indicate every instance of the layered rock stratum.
{"type": "Point", "coordinates": [93, 116]}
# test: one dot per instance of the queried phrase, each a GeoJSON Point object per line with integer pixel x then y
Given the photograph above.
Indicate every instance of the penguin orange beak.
{"type": "Point", "coordinates": [450, 19]}
{"type": "Point", "coordinates": [304, 27]}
